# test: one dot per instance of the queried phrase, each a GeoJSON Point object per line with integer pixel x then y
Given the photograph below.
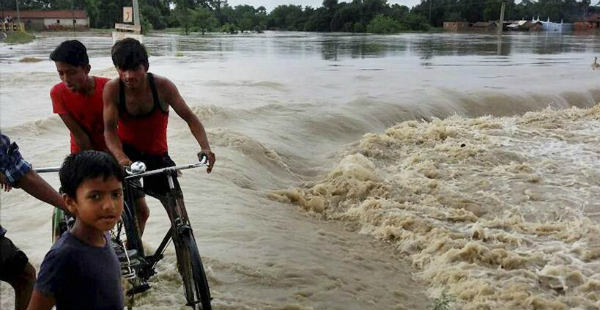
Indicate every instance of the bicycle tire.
{"type": "Point", "coordinates": [192, 272]}
{"type": "Point", "coordinates": [131, 228]}
{"type": "Point", "coordinates": [59, 224]}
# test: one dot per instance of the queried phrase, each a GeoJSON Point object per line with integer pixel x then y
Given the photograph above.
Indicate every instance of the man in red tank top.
{"type": "Point", "coordinates": [136, 113]}
{"type": "Point", "coordinates": [78, 98]}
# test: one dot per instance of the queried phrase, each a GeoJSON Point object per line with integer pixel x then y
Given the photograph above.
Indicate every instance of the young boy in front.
{"type": "Point", "coordinates": [82, 271]}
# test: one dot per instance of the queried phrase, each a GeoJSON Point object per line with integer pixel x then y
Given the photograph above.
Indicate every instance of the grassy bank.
{"type": "Point", "coordinates": [18, 37]}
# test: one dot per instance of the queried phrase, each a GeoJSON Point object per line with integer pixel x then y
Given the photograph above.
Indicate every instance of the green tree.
{"type": "Point", "coordinates": [286, 17]}
{"type": "Point", "coordinates": [183, 14]}
{"type": "Point", "coordinates": [203, 20]}
{"type": "Point", "coordinates": [245, 17]}
{"type": "Point", "coordinates": [384, 24]}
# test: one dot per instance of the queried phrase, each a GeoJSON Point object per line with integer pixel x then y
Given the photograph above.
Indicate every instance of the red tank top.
{"type": "Point", "coordinates": [146, 133]}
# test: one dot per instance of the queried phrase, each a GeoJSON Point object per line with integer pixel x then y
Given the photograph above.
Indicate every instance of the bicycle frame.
{"type": "Point", "coordinates": [173, 203]}
{"type": "Point", "coordinates": [142, 267]}
{"type": "Point", "coordinates": [147, 269]}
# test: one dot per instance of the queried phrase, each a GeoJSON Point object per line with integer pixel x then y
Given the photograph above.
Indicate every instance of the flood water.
{"type": "Point", "coordinates": [358, 171]}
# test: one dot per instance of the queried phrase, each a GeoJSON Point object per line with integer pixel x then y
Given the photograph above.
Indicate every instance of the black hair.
{"type": "Point", "coordinates": [86, 165]}
{"type": "Point", "coordinates": [72, 52]}
{"type": "Point", "coordinates": [129, 54]}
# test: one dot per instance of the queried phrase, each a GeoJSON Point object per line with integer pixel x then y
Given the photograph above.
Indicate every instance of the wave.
{"type": "Point", "coordinates": [36, 127]}
{"type": "Point", "coordinates": [492, 211]}
{"type": "Point", "coordinates": [256, 84]}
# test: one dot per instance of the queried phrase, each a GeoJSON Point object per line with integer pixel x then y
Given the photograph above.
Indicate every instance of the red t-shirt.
{"type": "Point", "coordinates": [85, 110]}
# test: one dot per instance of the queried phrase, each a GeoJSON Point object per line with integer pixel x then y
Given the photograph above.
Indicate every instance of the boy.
{"type": "Point", "coordinates": [138, 102]}
{"type": "Point", "coordinates": [78, 98]}
{"type": "Point", "coordinates": [14, 264]}
{"type": "Point", "coordinates": [81, 270]}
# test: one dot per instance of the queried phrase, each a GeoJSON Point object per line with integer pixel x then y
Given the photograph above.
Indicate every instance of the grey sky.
{"type": "Point", "coordinates": [271, 4]}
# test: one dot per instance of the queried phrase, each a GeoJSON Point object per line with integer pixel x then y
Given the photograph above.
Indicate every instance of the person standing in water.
{"type": "Point", "coordinates": [136, 113]}
{"type": "Point", "coordinates": [77, 99]}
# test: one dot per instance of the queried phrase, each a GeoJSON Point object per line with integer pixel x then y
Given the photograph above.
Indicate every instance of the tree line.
{"type": "Point", "coordinates": [438, 11]}
{"type": "Point", "coordinates": [374, 16]}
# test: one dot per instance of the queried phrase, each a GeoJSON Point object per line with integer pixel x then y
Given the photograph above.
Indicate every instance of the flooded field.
{"type": "Point", "coordinates": [358, 171]}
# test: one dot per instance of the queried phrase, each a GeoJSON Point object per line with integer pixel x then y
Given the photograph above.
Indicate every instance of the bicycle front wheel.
{"type": "Point", "coordinates": [192, 273]}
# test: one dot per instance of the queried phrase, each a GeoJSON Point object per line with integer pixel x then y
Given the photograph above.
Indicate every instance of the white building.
{"type": "Point", "coordinates": [554, 27]}
{"type": "Point", "coordinates": [50, 20]}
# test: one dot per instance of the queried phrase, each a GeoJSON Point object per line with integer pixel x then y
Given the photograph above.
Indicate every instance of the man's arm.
{"type": "Point", "coordinates": [183, 110]}
{"type": "Point", "coordinates": [35, 186]}
{"type": "Point", "coordinates": [81, 137]}
{"type": "Point", "coordinates": [59, 107]}
{"type": "Point", "coordinates": [111, 119]}
{"type": "Point", "coordinates": [39, 301]}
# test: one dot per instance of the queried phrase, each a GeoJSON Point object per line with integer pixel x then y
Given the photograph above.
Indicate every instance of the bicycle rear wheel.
{"type": "Point", "coordinates": [59, 224]}
{"type": "Point", "coordinates": [192, 273]}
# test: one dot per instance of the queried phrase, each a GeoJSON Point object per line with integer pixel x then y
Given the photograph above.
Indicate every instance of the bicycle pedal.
{"type": "Point", "coordinates": [128, 273]}
{"type": "Point", "coordinates": [138, 289]}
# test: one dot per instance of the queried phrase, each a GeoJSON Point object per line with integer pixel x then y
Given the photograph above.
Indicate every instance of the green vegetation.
{"type": "Point", "coordinates": [376, 16]}
{"type": "Point", "coordinates": [18, 37]}
{"type": "Point", "coordinates": [384, 24]}
{"type": "Point", "coordinates": [474, 11]}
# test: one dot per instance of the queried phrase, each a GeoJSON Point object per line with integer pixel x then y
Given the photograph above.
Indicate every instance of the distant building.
{"type": "Point", "coordinates": [456, 26]}
{"type": "Point", "coordinates": [51, 20]}
{"type": "Point", "coordinates": [484, 26]}
{"type": "Point", "coordinates": [525, 25]}
{"type": "Point", "coordinates": [554, 27]}
{"type": "Point", "coordinates": [590, 23]}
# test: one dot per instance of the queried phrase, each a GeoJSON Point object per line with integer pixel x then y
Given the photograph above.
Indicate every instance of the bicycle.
{"type": "Point", "coordinates": [136, 266]}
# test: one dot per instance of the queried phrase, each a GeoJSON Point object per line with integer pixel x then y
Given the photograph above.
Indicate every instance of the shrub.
{"type": "Point", "coordinates": [384, 24]}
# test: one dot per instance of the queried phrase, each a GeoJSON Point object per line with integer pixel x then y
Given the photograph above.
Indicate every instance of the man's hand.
{"type": "Point", "coordinates": [125, 162]}
{"type": "Point", "coordinates": [4, 184]}
{"type": "Point", "coordinates": [211, 158]}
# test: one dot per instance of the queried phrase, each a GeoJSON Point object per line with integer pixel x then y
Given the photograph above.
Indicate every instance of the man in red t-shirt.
{"type": "Point", "coordinates": [78, 98]}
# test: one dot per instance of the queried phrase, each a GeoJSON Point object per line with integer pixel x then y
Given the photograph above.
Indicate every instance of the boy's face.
{"type": "Point", "coordinates": [74, 77]}
{"type": "Point", "coordinates": [133, 78]}
{"type": "Point", "coordinates": [98, 203]}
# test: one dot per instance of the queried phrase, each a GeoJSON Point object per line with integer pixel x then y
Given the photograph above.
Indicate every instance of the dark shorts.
{"type": "Point", "coordinates": [12, 260]}
{"type": "Point", "coordinates": [156, 185]}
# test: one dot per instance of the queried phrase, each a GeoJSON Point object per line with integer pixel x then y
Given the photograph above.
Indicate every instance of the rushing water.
{"type": "Point", "coordinates": [359, 171]}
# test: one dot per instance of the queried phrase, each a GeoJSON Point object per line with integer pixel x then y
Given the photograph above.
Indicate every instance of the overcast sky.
{"type": "Point", "coordinates": [271, 4]}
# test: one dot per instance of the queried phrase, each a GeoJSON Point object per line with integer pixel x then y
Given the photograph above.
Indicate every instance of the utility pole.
{"type": "Point", "coordinates": [73, 13]}
{"type": "Point", "coordinates": [501, 22]}
{"type": "Point", "coordinates": [430, 1]}
{"type": "Point", "coordinates": [136, 14]}
{"type": "Point", "coordinates": [18, 14]}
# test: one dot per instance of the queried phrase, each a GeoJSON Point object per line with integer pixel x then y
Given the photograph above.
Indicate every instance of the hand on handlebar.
{"type": "Point", "coordinates": [4, 184]}
{"type": "Point", "coordinates": [207, 155]}
{"type": "Point", "coordinates": [136, 168]}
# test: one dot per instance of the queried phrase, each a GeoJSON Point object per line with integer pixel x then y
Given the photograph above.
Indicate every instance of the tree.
{"type": "Point", "coordinates": [183, 14]}
{"type": "Point", "coordinates": [384, 24]}
{"type": "Point", "coordinates": [203, 20]}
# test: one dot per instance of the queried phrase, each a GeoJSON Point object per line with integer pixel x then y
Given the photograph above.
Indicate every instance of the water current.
{"type": "Point", "coordinates": [358, 171]}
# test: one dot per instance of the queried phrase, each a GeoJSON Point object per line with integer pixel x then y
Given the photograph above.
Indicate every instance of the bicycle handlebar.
{"type": "Point", "coordinates": [202, 163]}
{"type": "Point", "coordinates": [46, 169]}
{"type": "Point", "coordinates": [166, 169]}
